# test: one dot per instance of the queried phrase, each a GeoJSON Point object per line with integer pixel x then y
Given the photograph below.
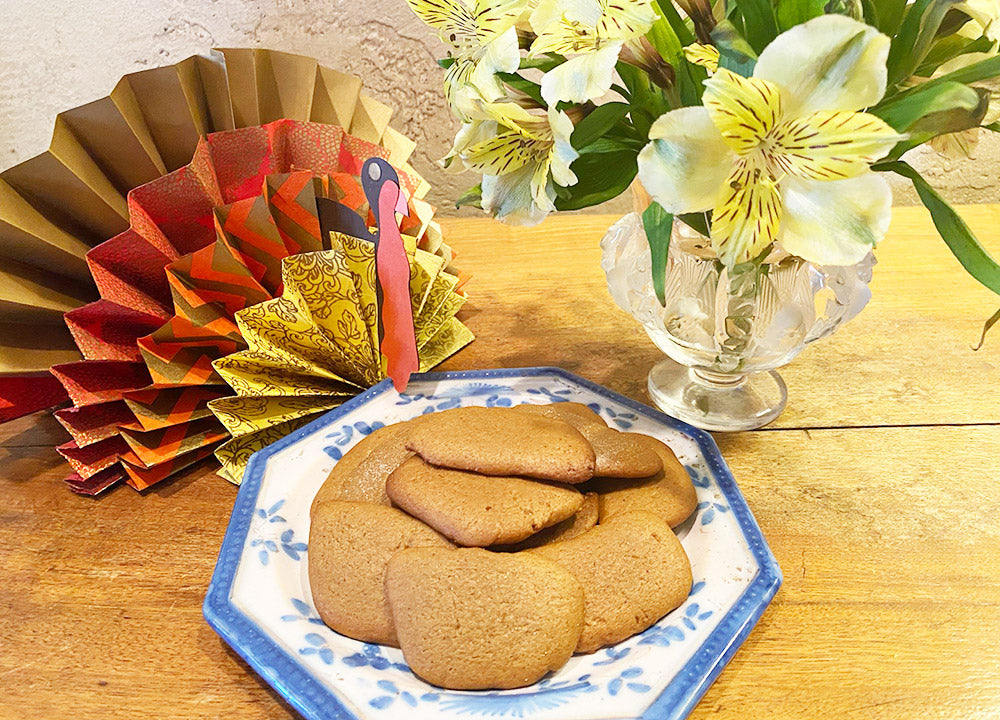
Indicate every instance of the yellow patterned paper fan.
{"type": "Point", "coordinates": [317, 345]}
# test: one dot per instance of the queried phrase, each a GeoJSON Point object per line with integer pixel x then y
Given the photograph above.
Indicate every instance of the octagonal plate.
{"type": "Point", "coordinates": [259, 599]}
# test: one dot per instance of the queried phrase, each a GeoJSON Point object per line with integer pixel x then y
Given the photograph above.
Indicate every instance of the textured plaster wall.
{"type": "Point", "coordinates": [56, 55]}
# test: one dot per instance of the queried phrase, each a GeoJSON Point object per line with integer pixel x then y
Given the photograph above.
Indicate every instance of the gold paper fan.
{"type": "Point", "coordinates": [56, 206]}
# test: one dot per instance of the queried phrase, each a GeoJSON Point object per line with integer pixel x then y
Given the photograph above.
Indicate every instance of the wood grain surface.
{"type": "Point", "coordinates": [878, 490]}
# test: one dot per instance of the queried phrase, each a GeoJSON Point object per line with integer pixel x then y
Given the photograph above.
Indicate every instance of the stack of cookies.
{"type": "Point", "coordinates": [491, 544]}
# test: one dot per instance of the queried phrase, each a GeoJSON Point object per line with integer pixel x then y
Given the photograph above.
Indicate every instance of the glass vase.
{"type": "Point", "coordinates": [724, 332]}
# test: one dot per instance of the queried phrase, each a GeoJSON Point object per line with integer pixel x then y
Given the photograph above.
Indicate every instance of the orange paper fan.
{"type": "Point", "coordinates": [171, 425]}
{"type": "Point", "coordinates": [57, 206]}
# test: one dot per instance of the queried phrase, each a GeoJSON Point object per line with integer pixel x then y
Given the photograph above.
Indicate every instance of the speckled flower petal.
{"type": "Point", "coordinates": [747, 214]}
{"type": "Point", "coordinates": [686, 161]}
{"type": "Point", "coordinates": [707, 56]}
{"type": "Point", "coordinates": [465, 27]}
{"type": "Point", "coordinates": [834, 223]}
{"type": "Point", "coordinates": [743, 109]}
{"type": "Point", "coordinates": [505, 153]}
{"type": "Point", "coordinates": [830, 145]}
{"type": "Point", "coordinates": [828, 63]}
{"type": "Point", "coordinates": [568, 27]}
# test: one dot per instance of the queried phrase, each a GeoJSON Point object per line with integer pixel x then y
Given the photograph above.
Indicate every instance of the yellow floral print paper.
{"type": "Point", "coordinates": [316, 346]}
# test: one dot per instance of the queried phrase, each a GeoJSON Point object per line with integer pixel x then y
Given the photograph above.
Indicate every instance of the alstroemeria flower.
{"type": "Point", "coordinates": [784, 155]}
{"type": "Point", "coordinates": [521, 156]}
{"type": "Point", "coordinates": [591, 34]}
{"type": "Point", "coordinates": [483, 40]}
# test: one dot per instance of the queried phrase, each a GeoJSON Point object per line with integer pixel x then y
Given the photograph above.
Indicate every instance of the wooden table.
{"type": "Point", "coordinates": [878, 490]}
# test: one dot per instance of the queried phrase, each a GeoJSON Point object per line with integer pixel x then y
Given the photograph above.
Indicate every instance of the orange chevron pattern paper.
{"type": "Point", "coordinates": [207, 287]}
{"type": "Point", "coordinates": [98, 179]}
{"type": "Point", "coordinates": [201, 213]}
{"type": "Point", "coordinates": [163, 256]}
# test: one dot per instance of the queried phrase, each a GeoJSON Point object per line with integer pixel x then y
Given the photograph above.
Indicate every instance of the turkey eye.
{"type": "Point", "coordinates": [374, 172]}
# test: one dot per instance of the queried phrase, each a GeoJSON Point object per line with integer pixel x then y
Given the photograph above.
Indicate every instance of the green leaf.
{"type": "Point", "coordinates": [735, 53]}
{"type": "Point", "coordinates": [684, 34]}
{"type": "Point", "coordinates": [986, 328]}
{"type": "Point", "coordinates": [646, 101]}
{"type": "Point", "coordinates": [789, 13]}
{"type": "Point", "coordinates": [544, 64]}
{"type": "Point", "coordinates": [658, 223]}
{"type": "Point", "coordinates": [890, 15]}
{"type": "Point", "coordinates": [759, 21]}
{"type": "Point", "coordinates": [473, 197]}
{"type": "Point", "coordinates": [598, 123]}
{"type": "Point", "coordinates": [612, 144]}
{"type": "Point", "coordinates": [952, 228]}
{"type": "Point", "coordinates": [949, 48]}
{"type": "Point", "coordinates": [602, 176]}
{"type": "Point", "coordinates": [916, 35]}
{"type": "Point", "coordinates": [904, 111]}
{"type": "Point", "coordinates": [531, 89]}
{"type": "Point", "coordinates": [995, 127]}
{"type": "Point", "coordinates": [446, 62]}
{"type": "Point", "coordinates": [870, 11]}
{"type": "Point", "coordinates": [698, 222]}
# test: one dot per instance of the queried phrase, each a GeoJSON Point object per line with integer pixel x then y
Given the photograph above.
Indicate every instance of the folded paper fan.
{"type": "Point", "coordinates": [58, 207]}
{"type": "Point", "coordinates": [171, 426]}
{"type": "Point", "coordinates": [317, 345]}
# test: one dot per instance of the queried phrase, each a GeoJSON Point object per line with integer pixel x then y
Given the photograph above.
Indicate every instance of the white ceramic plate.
{"type": "Point", "coordinates": [259, 599]}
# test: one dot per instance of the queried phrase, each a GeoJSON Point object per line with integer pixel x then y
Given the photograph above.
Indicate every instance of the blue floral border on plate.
{"type": "Point", "coordinates": [316, 702]}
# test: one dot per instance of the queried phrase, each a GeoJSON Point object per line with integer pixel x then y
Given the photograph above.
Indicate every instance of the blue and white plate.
{"type": "Point", "coordinates": [259, 599]}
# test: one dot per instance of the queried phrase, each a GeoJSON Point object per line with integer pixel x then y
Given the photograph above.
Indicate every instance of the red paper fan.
{"type": "Point", "coordinates": [161, 412]}
{"type": "Point", "coordinates": [59, 205]}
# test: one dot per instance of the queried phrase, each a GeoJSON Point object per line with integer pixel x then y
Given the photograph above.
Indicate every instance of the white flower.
{"type": "Point", "coordinates": [784, 155]}
{"type": "Point", "coordinates": [521, 156]}
{"type": "Point", "coordinates": [591, 34]}
{"type": "Point", "coordinates": [483, 39]}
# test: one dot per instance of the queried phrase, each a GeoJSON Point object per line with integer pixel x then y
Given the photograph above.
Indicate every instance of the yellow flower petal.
{"type": "Point", "coordinates": [743, 109]}
{"type": "Point", "coordinates": [829, 145]}
{"type": "Point", "coordinates": [505, 153]}
{"type": "Point", "coordinates": [747, 213]}
{"type": "Point", "coordinates": [465, 27]}
{"type": "Point", "coordinates": [707, 56]}
{"type": "Point", "coordinates": [568, 27]}
{"type": "Point", "coordinates": [625, 20]}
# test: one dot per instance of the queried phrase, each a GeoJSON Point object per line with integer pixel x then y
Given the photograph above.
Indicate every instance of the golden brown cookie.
{"type": "Point", "coordinates": [479, 510]}
{"type": "Point", "coordinates": [504, 441]}
{"type": "Point", "coordinates": [470, 619]}
{"type": "Point", "coordinates": [633, 571]}
{"type": "Point", "coordinates": [584, 519]}
{"type": "Point", "coordinates": [360, 475]}
{"type": "Point", "coordinates": [617, 454]}
{"type": "Point", "coordinates": [349, 547]}
{"type": "Point", "coordinates": [576, 414]}
{"type": "Point", "coordinates": [669, 494]}
{"type": "Point", "coordinates": [334, 483]}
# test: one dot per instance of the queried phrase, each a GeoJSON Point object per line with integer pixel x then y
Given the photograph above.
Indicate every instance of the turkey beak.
{"type": "Point", "coordinates": [401, 206]}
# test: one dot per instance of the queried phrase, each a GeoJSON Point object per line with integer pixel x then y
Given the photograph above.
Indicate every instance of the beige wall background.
{"type": "Point", "coordinates": [56, 55]}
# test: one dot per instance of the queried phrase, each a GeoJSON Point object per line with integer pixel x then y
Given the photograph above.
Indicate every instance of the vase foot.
{"type": "Point", "coordinates": [711, 401]}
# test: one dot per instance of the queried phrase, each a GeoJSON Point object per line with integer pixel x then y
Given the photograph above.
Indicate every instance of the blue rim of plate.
{"type": "Point", "coordinates": [316, 702]}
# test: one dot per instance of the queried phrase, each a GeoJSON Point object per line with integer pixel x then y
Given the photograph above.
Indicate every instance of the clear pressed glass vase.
{"type": "Point", "coordinates": [723, 332]}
